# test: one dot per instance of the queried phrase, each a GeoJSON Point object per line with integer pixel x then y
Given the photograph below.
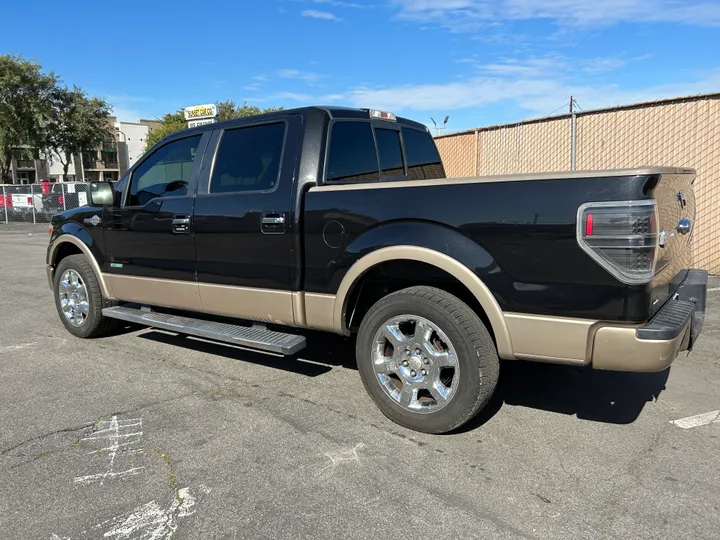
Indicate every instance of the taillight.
{"type": "Point", "coordinates": [622, 237]}
{"type": "Point", "coordinates": [61, 200]}
{"type": "Point", "coordinates": [30, 201]}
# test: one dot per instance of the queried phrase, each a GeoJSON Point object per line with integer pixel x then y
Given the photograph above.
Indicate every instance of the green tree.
{"type": "Point", "coordinates": [172, 122]}
{"type": "Point", "coordinates": [78, 123]}
{"type": "Point", "coordinates": [26, 98]}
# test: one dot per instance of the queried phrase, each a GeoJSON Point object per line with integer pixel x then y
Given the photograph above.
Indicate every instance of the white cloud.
{"type": "Point", "coordinates": [128, 108]}
{"type": "Point", "coordinates": [324, 15]}
{"type": "Point", "coordinates": [462, 15]}
{"type": "Point", "coordinates": [124, 114]}
{"type": "Point", "coordinates": [338, 3]}
{"type": "Point", "coordinates": [306, 76]}
{"type": "Point", "coordinates": [555, 63]}
{"type": "Point", "coordinates": [304, 99]}
{"type": "Point", "coordinates": [538, 95]}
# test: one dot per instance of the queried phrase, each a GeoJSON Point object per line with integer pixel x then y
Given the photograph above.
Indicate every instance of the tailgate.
{"type": "Point", "coordinates": [676, 214]}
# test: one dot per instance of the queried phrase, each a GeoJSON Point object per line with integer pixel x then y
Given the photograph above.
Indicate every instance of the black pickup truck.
{"type": "Point", "coordinates": [341, 220]}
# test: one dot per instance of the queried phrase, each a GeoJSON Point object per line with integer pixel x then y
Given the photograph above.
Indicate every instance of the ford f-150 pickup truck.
{"type": "Point", "coordinates": [249, 231]}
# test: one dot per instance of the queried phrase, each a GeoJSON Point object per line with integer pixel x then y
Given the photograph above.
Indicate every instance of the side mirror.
{"type": "Point", "coordinates": [101, 194]}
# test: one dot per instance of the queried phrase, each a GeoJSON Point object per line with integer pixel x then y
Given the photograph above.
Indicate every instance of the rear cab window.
{"type": "Point", "coordinates": [365, 151]}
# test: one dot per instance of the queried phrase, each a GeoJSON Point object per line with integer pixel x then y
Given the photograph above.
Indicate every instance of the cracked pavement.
{"type": "Point", "coordinates": [238, 445]}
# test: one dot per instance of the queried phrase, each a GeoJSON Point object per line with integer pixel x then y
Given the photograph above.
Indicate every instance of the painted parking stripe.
{"type": "Point", "coordinates": [697, 420]}
{"type": "Point", "coordinates": [714, 289]}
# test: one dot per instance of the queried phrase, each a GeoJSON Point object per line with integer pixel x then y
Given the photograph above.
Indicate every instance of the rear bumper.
{"type": "Point", "coordinates": [655, 345]}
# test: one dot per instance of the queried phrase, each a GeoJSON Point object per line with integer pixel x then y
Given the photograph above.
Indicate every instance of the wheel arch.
{"type": "Point", "coordinates": [66, 245]}
{"type": "Point", "coordinates": [441, 261]}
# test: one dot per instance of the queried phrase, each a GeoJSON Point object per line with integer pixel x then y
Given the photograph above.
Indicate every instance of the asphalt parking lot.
{"type": "Point", "coordinates": [147, 435]}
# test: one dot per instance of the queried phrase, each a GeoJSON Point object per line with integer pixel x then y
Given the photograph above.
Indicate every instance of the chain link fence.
{"type": "Point", "coordinates": [38, 203]}
{"type": "Point", "coordinates": [683, 132]}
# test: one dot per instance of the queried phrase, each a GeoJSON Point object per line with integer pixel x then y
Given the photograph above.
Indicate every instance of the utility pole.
{"type": "Point", "coordinates": [572, 100]}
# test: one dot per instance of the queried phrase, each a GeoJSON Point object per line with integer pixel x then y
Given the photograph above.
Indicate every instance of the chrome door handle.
{"type": "Point", "coordinates": [181, 224]}
{"type": "Point", "coordinates": [272, 223]}
{"type": "Point", "coordinates": [273, 220]}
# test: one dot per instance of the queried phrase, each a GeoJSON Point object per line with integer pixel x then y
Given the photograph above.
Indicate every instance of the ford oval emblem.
{"type": "Point", "coordinates": [684, 226]}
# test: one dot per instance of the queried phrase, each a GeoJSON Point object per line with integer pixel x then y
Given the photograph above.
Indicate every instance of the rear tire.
{"type": "Point", "coordinates": [426, 359]}
{"type": "Point", "coordinates": [78, 299]}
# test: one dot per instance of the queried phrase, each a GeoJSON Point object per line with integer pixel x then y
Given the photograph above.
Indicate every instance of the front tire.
{"type": "Point", "coordinates": [426, 359]}
{"type": "Point", "coordinates": [78, 299]}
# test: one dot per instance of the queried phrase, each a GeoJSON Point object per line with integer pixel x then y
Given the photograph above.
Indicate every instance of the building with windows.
{"type": "Point", "coordinates": [121, 149]}
{"type": "Point", "coordinates": [27, 166]}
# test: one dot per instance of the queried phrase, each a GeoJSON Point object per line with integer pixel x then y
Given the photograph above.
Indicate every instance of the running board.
{"type": "Point", "coordinates": [253, 337]}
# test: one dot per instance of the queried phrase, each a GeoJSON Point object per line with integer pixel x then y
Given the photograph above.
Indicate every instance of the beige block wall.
{"type": "Point", "coordinates": [682, 132]}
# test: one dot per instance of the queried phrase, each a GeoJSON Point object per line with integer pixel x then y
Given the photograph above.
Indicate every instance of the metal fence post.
{"type": "Point", "coordinates": [5, 204]}
{"type": "Point", "coordinates": [64, 196]}
{"type": "Point", "coordinates": [32, 198]}
{"type": "Point", "coordinates": [477, 150]}
{"type": "Point", "coordinates": [573, 141]}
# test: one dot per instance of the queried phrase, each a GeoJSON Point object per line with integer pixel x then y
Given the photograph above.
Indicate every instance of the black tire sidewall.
{"type": "Point", "coordinates": [477, 374]}
{"type": "Point", "coordinates": [75, 262]}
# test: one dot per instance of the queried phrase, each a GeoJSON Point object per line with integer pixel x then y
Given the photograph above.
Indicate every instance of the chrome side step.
{"type": "Point", "coordinates": [252, 337]}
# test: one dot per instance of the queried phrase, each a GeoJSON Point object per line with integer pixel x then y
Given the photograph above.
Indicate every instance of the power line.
{"type": "Point", "coordinates": [561, 107]}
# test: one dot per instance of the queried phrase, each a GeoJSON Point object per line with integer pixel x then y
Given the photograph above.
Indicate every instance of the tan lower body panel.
{"type": "Point", "coordinates": [263, 305]}
{"type": "Point", "coordinates": [561, 340]}
{"type": "Point", "coordinates": [158, 292]}
{"type": "Point", "coordinates": [319, 311]}
{"type": "Point", "coordinates": [606, 346]}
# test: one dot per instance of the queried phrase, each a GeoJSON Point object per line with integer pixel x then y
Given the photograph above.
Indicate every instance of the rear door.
{"type": "Point", "coordinates": [244, 227]}
{"type": "Point", "coordinates": [149, 234]}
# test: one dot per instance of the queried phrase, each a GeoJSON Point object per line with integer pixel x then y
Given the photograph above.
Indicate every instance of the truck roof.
{"type": "Point", "coordinates": [331, 111]}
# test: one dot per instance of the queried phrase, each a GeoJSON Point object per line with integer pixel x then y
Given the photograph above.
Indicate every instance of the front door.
{"type": "Point", "coordinates": [245, 231]}
{"type": "Point", "coordinates": [149, 236]}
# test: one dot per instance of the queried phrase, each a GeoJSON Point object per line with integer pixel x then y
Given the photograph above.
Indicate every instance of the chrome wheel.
{"type": "Point", "coordinates": [415, 363]}
{"type": "Point", "coordinates": [73, 297]}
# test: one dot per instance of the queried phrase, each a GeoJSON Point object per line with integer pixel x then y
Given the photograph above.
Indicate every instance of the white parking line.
{"type": "Point", "coordinates": [697, 420]}
{"type": "Point", "coordinates": [714, 289]}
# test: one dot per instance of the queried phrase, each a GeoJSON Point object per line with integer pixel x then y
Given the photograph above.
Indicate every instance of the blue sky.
{"type": "Point", "coordinates": [481, 62]}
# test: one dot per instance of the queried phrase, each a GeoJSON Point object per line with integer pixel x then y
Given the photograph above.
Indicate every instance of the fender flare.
{"type": "Point", "coordinates": [434, 258]}
{"type": "Point", "coordinates": [85, 249]}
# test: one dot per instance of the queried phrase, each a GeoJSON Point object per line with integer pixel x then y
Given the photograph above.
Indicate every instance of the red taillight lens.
{"type": "Point", "coordinates": [622, 237]}
{"type": "Point", "coordinates": [30, 201]}
{"type": "Point", "coordinates": [61, 200]}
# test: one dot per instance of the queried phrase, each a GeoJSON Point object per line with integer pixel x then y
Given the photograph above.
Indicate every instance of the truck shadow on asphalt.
{"type": "Point", "coordinates": [600, 396]}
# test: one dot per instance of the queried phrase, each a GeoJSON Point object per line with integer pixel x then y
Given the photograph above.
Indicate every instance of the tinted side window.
{"type": "Point", "coordinates": [390, 151]}
{"type": "Point", "coordinates": [352, 155]}
{"type": "Point", "coordinates": [248, 159]}
{"type": "Point", "coordinates": [166, 173]}
{"type": "Point", "coordinates": [422, 156]}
